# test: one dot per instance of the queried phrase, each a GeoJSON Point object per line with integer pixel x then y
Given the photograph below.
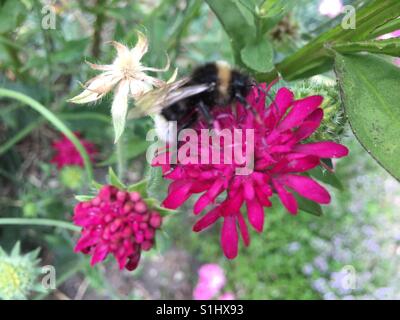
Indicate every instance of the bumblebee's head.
{"type": "Point", "coordinates": [241, 84]}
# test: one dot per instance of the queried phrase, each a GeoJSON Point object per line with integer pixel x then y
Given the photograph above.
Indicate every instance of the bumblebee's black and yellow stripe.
{"type": "Point", "coordinates": [225, 85]}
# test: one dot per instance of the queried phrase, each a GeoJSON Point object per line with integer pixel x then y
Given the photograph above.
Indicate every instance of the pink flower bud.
{"type": "Point", "coordinates": [140, 207]}
{"type": "Point", "coordinates": [146, 245]}
{"type": "Point", "coordinates": [155, 220]}
{"type": "Point", "coordinates": [134, 196]}
{"type": "Point", "coordinates": [149, 234]}
{"type": "Point", "coordinates": [139, 237]}
{"type": "Point", "coordinates": [121, 196]}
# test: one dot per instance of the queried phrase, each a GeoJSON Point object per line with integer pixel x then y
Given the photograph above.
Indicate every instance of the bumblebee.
{"type": "Point", "coordinates": [184, 101]}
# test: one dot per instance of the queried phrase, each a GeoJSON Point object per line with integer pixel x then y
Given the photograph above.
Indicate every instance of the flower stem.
{"type": "Point", "coordinates": [40, 222]}
{"type": "Point", "coordinates": [119, 149]}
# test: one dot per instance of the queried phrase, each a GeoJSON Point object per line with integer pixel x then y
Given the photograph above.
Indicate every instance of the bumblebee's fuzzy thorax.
{"type": "Point", "coordinates": [226, 82]}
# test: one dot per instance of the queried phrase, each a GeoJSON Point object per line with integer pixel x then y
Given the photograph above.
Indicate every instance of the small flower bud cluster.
{"type": "Point", "coordinates": [117, 222]}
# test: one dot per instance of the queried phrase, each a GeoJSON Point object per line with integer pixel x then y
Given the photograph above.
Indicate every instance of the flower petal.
{"type": "Point", "coordinates": [167, 65]}
{"type": "Point", "coordinates": [141, 47]}
{"type": "Point", "coordinates": [326, 149]}
{"type": "Point", "coordinates": [287, 199]}
{"type": "Point", "coordinates": [307, 188]}
{"type": "Point", "coordinates": [178, 193]}
{"type": "Point", "coordinates": [139, 87]}
{"type": "Point", "coordinates": [255, 214]}
{"type": "Point", "coordinates": [123, 53]}
{"type": "Point", "coordinates": [101, 67]}
{"type": "Point", "coordinates": [95, 89]}
{"type": "Point", "coordinates": [119, 108]}
{"type": "Point", "coordinates": [207, 220]}
{"type": "Point", "coordinates": [208, 197]}
{"type": "Point", "coordinates": [297, 165]}
{"type": "Point", "coordinates": [309, 125]}
{"type": "Point", "coordinates": [243, 229]}
{"type": "Point", "coordinates": [100, 253]}
{"type": "Point", "coordinates": [283, 99]}
{"type": "Point", "coordinates": [300, 111]}
{"type": "Point", "coordinates": [229, 237]}
{"type": "Point", "coordinates": [248, 189]}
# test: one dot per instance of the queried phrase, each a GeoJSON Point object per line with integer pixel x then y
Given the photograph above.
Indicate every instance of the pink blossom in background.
{"type": "Point", "coordinates": [211, 281]}
{"type": "Point", "coordinates": [68, 155]}
{"type": "Point", "coordinates": [227, 296]}
{"type": "Point", "coordinates": [397, 61]}
{"type": "Point", "coordinates": [203, 292]}
{"type": "Point", "coordinates": [391, 35]}
{"type": "Point", "coordinates": [212, 274]}
{"type": "Point", "coordinates": [330, 8]}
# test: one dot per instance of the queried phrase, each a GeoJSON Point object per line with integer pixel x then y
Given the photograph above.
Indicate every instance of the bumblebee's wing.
{"type": "Point", "coordinates": [155, 100]}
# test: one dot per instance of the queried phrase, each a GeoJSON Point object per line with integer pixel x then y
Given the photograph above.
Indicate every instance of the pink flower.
{"type": "Point", "coordinates": [116, 222]}
{"type": "Point", "coordinates": [211, 281]}
{"type": "Point", "coordinates": [330, 8]}
{"type": "Point", "coordinates": [281, 157]}
{"type": "Point", "coordinates": [397, 61]}
{"type": "Point", "coordinates": [394, 34]}
{"type": "Point", "coordinates": [227, 296]}
{"type": "Point", "coordinates": [66, 153]}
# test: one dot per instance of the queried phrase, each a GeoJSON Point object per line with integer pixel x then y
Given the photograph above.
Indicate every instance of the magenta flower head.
{"type": "Point", "coordinates": [211, 281]}
{"type": "Point", "coordinates": [117, 222]}
{"type": "Point", "coordinates": [66, 153]}
{"type": "Point", "coordinates": [281, 156]}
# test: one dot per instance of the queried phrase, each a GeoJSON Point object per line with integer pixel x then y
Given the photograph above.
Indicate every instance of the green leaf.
{"type": "Point", "coordinates": [11, 14]}
{"type": "Point", "coordinates": [370, 93]}
{"type": "Point", "coordinates": [114, 180]}
{"type": "Point", "coordinates": [132, 149]}
{"type": "Point", "coordinates": [236, 21]}
{"type": "Point", "coordinates": [237, 24]}
{"type": "Point", "coordinates": [309, 206]}
{"type": "Point", "coordinates": [155, 204]}
{"type": "Point", "coordinates": [271, 8]}
{"type": "Point", "coordinates": [390, 47]}
{"type": "Point", "coordinates": [84, 198]}
{"type": "Point", "coordinates": [258, 56]}
{"type": "Point", "coordinates": [272, 11]}
{"type": "Point", "coordinates": [96, 185]}
{"type": "Point", "coordinates": [140, 187]}
{"type": "Point", "coordinates": [327, 177]}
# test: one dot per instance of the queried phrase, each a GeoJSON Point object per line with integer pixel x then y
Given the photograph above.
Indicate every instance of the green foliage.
{"type": "Point", "coordinates": [369, 88]}
{"type": "Point", "coordinates": [389, 47]}
{"type": "Point", "coordinates": [11, 15]}
{"type": "Point", "coordinates": [258, 56]}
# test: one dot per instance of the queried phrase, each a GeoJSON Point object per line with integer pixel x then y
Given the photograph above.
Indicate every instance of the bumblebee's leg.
{"type": "Point", "coordinates": [188, 123]}
{"type": "Point", "coordinates": [243, 101]}
{"type": "Point", "coordinates": [206, 113]}
{"type": "Point", "coordinates": [270, 98]}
